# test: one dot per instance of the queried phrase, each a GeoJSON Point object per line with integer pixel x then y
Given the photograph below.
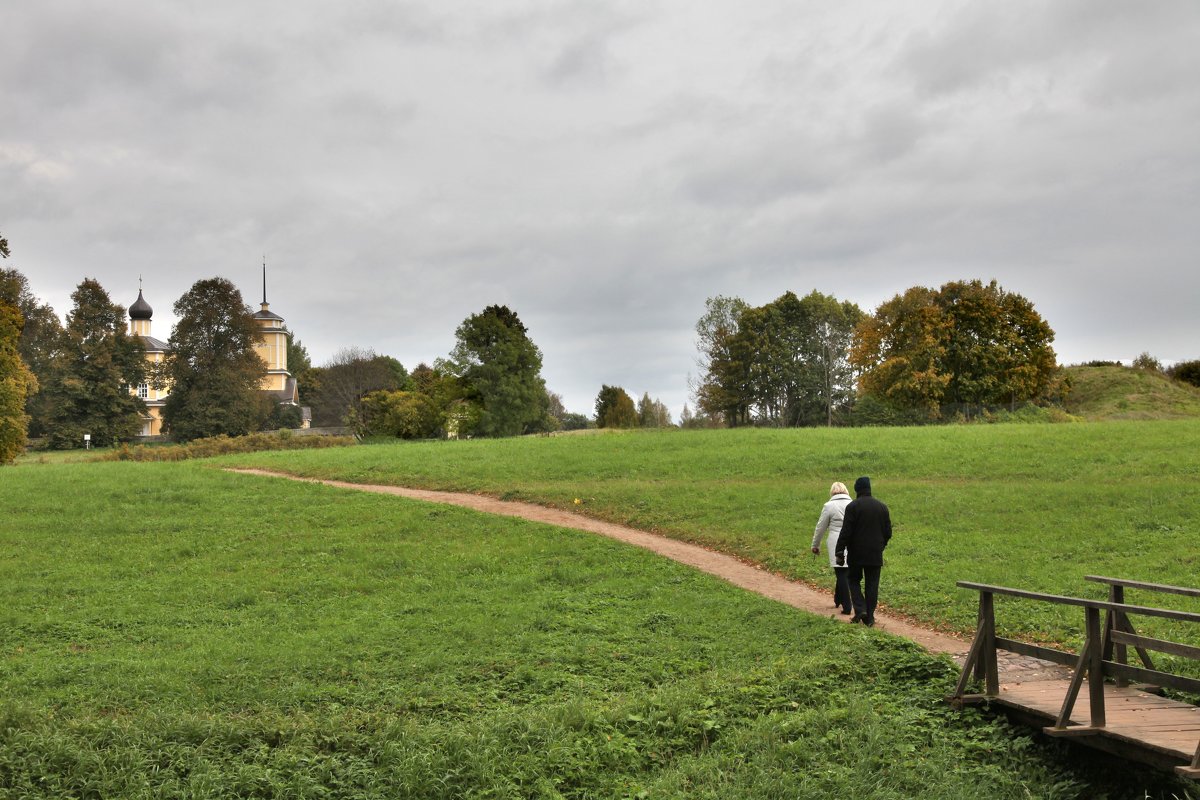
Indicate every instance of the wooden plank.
{"type": "Point", "coordinates": [991, 673]}
{"type": "Point", "coordinates": [1068, 704]}
{"type": "Point", "coordinates": [1103, 605]}
{"type": "Point", "coordinates": [1159, 645]}
{"type": "Point", "coordinates": [1186, 591]}
{"type": "Point", "coordinates": [1122, 720]}
{"type": "Point", "coordinates": [1034, 651]}
{"type": "Point", "coordinates": [1095, 668]}
{"type": "Point", "coordinates": [1152, 676]}
{"type": "Point", "coordinates": [972, 660]}
{"type": "Point", "coordinates": [1178, 733]}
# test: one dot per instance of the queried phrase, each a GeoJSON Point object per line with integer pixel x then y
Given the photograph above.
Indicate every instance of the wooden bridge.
{"type": "Point", "coordinates": [1126, 713]}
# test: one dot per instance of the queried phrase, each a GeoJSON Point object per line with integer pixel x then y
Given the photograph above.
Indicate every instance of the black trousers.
{"type": "Point", "coordinates": [841, 588]}
{"type": "Point", "coordinates": [863, 596]}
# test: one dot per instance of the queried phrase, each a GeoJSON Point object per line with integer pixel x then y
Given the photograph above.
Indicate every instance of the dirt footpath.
{"type": "Point", "coordinates": [754, 579]}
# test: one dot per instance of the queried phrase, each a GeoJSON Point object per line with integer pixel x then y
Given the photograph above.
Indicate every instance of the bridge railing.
{"type": "Point", "coordinates": [1102, 656]}
{"type": "Point", "coordinates": [1119, 632]}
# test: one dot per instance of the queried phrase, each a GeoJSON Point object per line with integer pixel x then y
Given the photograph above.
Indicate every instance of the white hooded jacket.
{"type": "Point", "coordinates": [831, 520]}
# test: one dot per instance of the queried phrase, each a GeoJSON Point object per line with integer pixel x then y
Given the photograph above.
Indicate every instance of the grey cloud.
{"type": "Point", "coordinates": [604, 169]}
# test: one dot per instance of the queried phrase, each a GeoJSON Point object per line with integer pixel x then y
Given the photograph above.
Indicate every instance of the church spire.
{"type": "Point", "coordinates": [264, 280]}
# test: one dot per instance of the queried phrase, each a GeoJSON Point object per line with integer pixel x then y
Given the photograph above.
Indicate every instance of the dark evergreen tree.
{"type": "Point", "coordinates": [88, 392]}
{"type": "Point", "coordinates": [500, 367]}
{"type": "Point", "coordinates": [652, 413]}
{"type": "Point", "coordinates": [212, 369]}
{"type": "Point", "coordinates": [615, 409]}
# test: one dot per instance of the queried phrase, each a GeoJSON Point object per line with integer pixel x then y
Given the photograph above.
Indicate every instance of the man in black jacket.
{"type": "Point", "coordinates": [866, 529]}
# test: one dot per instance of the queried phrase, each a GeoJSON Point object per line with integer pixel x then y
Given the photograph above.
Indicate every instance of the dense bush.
{"type": "Point", "coordinates": [1186, 371]}
{"type": "Point", "coordinates": [224, 445]}
{"type": "Point", "coordinates": [403, 415]}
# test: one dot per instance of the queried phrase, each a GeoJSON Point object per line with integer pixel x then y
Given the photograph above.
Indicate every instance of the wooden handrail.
{"type": "Point", "coordinates": [1101, 642]}
{"type": "Point", "coordinates": [1103, 605]}
{"type": "Point", "coordinates": [1186, 591]}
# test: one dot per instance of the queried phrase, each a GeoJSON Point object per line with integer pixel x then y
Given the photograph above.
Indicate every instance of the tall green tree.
{"type": "Point", "coordinates": [502, 370]}
{"type": "Point", "coordinates": [833, 376]}
{"type": "Point", "coordinates": [16, 383]}
{"type": "Point", "coordinates": [212, 368]}
{"type": "Point", "coordinates": [40, 346]}
{"type": "Point", "coordinates": [89, 389]}
{"type": "Point", "coordinates": [615, 409]}
{"type": "Point", "coordinates": [785, 363]}
{"type": "Point", "coordinates": [724, 387]}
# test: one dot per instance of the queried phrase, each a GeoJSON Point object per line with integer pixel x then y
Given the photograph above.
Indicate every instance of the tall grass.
{"type": "Point", "coordinates": [174, 631]}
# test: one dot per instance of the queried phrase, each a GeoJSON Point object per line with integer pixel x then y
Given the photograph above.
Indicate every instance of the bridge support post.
{"type": "Point", "coordinates": [1095, 668]}
{"type": "Point", "coordinates": [1091, 664]}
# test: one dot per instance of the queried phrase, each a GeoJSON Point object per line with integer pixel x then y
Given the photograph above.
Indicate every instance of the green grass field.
{"type": "Point", "coordinates": [1031, 506]}
{"type": "Point", "coordinates": [171, 630]}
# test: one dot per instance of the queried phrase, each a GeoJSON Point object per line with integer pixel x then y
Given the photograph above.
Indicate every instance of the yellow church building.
{"type": "Point", "coordinates": [271, 348]}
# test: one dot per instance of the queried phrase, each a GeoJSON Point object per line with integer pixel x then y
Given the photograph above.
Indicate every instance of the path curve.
{"type": "Point", "coordinates": [726, 567]}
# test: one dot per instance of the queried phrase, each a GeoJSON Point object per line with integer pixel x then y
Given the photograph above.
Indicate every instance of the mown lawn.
{"type": "Point", "coordinates": [1032, 506]}
{"type": "Point", "coordinates": [170, 630]}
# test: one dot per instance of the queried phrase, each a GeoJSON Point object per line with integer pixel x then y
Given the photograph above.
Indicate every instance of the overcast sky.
{"type": "Point", "coordinates": [604, 167]}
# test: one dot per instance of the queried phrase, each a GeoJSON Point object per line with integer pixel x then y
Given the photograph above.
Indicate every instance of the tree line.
{"type": "Point", "coordinates": [60, 382]}
{"type": "Point", "coordinates": [921, 356]}
{"type": "Point", "coordinates": [63, 381]}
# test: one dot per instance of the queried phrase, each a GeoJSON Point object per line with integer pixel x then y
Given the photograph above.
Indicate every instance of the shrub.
{"type": "Point", "coordinates": [404, 415]}
{"type": "Point", "coordinates": [224, 445]}
{"type": "Point", "coordinates": [1186, 371]}
{"type": "Point", "coordinates": [1147, 362]}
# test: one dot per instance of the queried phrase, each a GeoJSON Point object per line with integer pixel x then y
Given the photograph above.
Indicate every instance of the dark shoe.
{"type": "Point", "coordinates": [868, 621]}
{"type": "Point", "coordinates": [847, 612]}
{"type": "Point", "coordinates": [856, 618]}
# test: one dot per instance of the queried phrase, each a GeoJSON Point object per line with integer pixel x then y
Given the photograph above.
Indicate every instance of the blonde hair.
{"type": "Point", "coordinates": [837, 488]}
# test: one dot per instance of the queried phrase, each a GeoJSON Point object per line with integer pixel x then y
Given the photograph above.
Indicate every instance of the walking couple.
{"type": "Point", "coordinates": [859, 530]}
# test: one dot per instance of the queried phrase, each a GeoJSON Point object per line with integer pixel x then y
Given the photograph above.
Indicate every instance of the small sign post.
{"type": "Point", "coordinates": [87, 441]}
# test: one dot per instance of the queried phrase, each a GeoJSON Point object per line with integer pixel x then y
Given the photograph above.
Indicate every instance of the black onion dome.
{"type": "Point", "coordinates": [140, 309]}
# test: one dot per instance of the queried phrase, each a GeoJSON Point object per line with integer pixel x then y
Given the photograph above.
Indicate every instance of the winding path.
{"type": "Point", "coordinates": [726, 567]}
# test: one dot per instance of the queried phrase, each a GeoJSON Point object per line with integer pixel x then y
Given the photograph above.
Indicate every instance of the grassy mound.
{"type": "Point", "coordinates": [1124, 393]}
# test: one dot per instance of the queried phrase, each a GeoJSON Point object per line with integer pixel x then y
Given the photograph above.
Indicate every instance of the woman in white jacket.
{"type": "Point", "coordinates": [831, 520]}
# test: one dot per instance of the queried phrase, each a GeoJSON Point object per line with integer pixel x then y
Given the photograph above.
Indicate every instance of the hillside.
{"type": "Point", "coordinates": [1107, 393]}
